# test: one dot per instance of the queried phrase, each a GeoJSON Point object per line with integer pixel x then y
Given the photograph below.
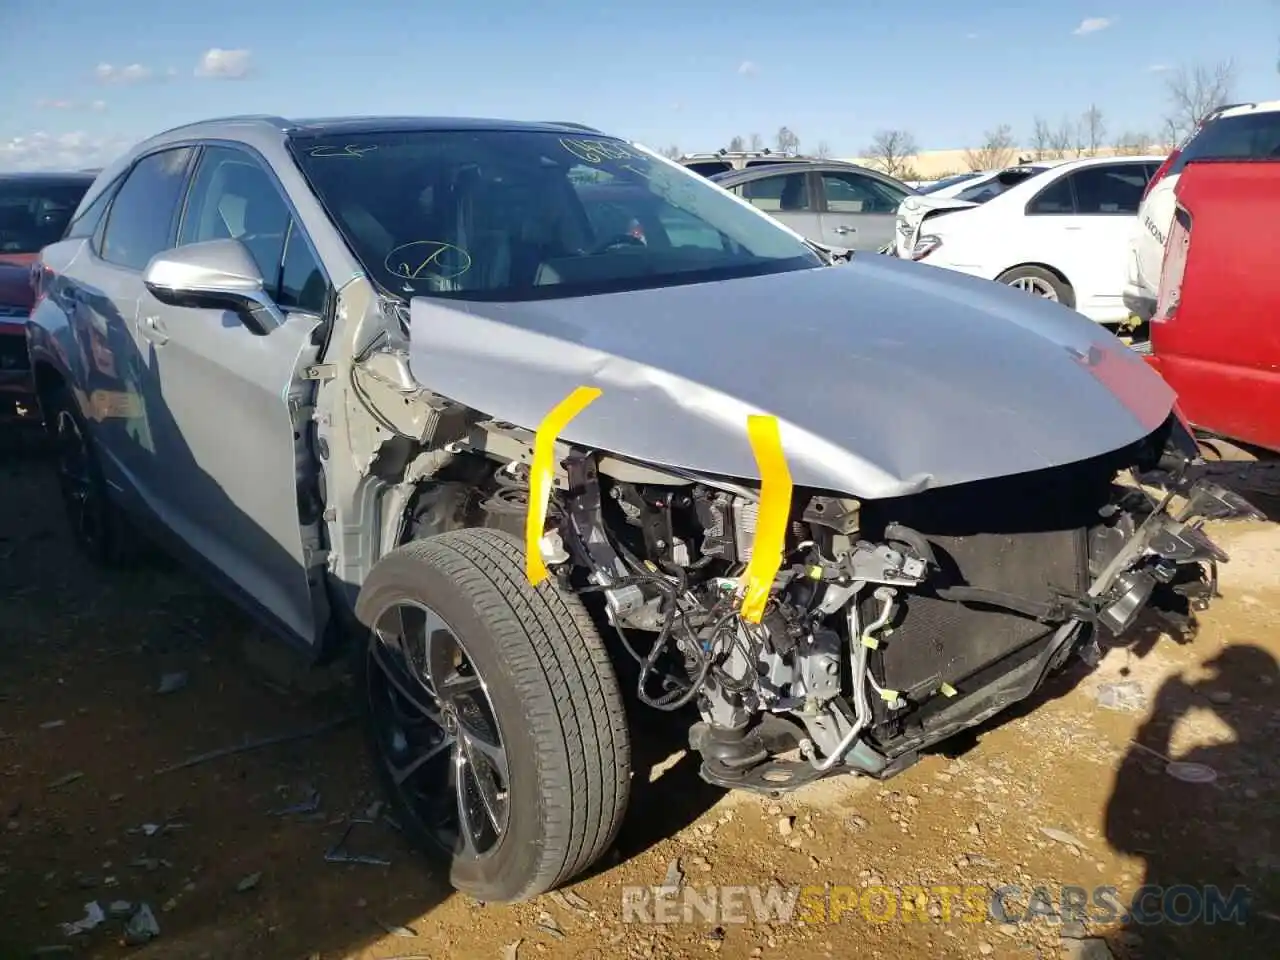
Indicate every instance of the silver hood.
{"type": "Point", "coordinates": [887, 377]}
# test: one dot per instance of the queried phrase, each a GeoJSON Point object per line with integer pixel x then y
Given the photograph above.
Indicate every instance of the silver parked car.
{"type": "Point", "coordinates": [840, 205]}
{"type": "Point", "coordinates": [408, 390]}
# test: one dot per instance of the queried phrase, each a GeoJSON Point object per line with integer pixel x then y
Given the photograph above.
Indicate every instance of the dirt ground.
{"type": "Point", "coordinates": [1053, 795]}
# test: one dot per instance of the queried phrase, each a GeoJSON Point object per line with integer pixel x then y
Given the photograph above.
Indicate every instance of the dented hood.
{"type": "Point", "coordinates": [886, 377]}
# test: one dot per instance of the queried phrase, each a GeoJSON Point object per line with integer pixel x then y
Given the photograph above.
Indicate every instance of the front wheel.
{"type": "Point", "coordinates": [493, 714]}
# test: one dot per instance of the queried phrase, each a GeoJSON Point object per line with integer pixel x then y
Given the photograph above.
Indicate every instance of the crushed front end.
{"type": "Point", "coordinates": [890, 625]}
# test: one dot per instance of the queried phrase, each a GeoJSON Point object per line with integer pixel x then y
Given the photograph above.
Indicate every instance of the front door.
{"type": "Point", "coordinates": [231, 399]}
{"type": "Point", "coordinates": [858, 212]}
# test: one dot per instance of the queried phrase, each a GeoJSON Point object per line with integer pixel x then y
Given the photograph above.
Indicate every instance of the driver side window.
{"type": "Point", "coordinates": [233, 197]}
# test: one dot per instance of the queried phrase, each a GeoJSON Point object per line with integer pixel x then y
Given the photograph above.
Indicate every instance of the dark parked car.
{"type": "Point", "coordinates": [840, 205]}
{"type": "Point", "coordinates": [34, 211]}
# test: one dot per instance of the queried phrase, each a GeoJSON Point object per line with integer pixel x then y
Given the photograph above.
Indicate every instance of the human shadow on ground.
{"type": "Point", "coordinates": [1211, 884]}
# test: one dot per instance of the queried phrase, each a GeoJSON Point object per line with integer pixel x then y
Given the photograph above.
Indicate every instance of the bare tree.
{"type": "Point", "coordinates": [997, 150]}
{"type": "Point", "coordinates": [1041, 139]}
{"type": "Point", "coordinates": [823, 150]}
{"type": "Point", "coordinates": [672, 152]}
{"type": "Point", "coordinates": [1060, 140]}
{"type": "Point", "coordinates": [787, 141]}
{"type": "Point", "coordinates": [1195, 92]}
{"type": "Point", "coordinates": [736, 145]}
{"type": "Point", "coordinates": [1132, 143]}
{"type": "Point", "coordinates": [755, 143]}
{"type": "Point", "coordinates": [1093, 129]}
{"type": "Point", "coordinates": [891, 151]}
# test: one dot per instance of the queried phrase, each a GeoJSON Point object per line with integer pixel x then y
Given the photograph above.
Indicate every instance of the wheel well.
{"type": "Point", "coordinates": [48, 381]}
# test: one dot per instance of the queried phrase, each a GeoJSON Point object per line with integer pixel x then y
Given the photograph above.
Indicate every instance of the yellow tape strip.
{"type": "Point", "coordinates": [542, 472]}
{"type": "Point", "coordinates": [775, 511]}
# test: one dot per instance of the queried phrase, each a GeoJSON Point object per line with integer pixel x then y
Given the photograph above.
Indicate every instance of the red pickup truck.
{"type": "Point", "coordinates": [1215, 335]}
{"type": "Point", "coordinates": [34, 211]}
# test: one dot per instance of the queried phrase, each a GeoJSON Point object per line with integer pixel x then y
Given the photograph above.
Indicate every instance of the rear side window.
{"type": "Point", "coordinates": [140, 223]}
{"type": "Point", "coordinates": [86, 225]}
{"type": "Point", "coordinates": [35, 211]}
{"type": "Point", "coordinates": [1110, 189]}
{"type": "Point", "coordinates": [1248, 136]}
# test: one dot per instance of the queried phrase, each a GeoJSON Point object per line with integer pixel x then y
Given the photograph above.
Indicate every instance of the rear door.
{"type": "Point", "coordinates": [103, 290]}
{"type": "Point", "coordinates": [1079, 223]}
{"type": "Point", "coordinates": [1107, 198]}
{"type": "Point", "coordinates": [235, 423]}
{"type": "Point", "coordinates": [788, 198]}
{"type": "Point", "coordinates": [858, 212]}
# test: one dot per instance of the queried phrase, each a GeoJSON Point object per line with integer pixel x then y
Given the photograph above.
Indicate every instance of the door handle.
{"type": "Point", "coordinates": [153, 329]}
{"type": "Point", "coordinates": [843, 229]}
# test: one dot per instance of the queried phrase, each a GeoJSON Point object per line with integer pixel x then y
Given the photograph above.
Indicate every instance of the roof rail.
{"type": "Point", "coordinates": [280, 123]}
{"type": "Point", "coordinates": [576, 126]}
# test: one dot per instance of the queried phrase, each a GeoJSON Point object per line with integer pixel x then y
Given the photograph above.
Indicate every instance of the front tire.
{"type": "Point", "coordinates": [493, 714]}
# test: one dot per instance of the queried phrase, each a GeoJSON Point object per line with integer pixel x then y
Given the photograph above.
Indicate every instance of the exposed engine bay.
{"type": "Point", "coordinates": [890, 624]}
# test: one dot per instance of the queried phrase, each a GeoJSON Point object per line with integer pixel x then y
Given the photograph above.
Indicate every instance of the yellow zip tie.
{"type": "Point", "coordinates": [888, 696]}
{"type": "Point", "coordinates": [542, 472]}
{"type": "Point", "coordinates": [947, 690]}
{"type": "Point", "coordinates": [869, 641]}
{"type": "Point", "coordinates": [771, 523]}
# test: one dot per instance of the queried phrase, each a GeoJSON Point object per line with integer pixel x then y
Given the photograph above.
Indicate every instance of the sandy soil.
{"type": "Point", "coordinates": [1053, 795]}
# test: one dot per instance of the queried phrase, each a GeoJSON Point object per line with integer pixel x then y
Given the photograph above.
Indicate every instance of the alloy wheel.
{"type": "Point", "coordinates": [436, 731]}
{"type": "Point", "coordinates": [76, 481]}
{"type": "Point", "coordinates": [1036, 286]}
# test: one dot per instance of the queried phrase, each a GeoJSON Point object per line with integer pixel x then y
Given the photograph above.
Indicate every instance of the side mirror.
{"type": "Point", "coordinates": [214, 274]}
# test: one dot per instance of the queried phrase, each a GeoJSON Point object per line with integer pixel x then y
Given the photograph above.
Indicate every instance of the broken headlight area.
{"type": "Point", "coordinates": [890, 625]}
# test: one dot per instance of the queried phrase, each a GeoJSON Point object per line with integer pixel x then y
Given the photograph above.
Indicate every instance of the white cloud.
{"type": "Point", "coordinates": [748, 68]}
{"type": "Point", "coordinates": [1091, 25]}
{"type": "Point", "coordinates": [133, 73]}
{"type": "Point", "coordinates": [222, 64]}
{"type": "Point", "coordinates": [1159, 68]}
{"type": "Point", "coordinates": [972, 36]}
{"type": "Point", "coordinates": [62, 151]}
{"type": "Point", "coordinates": [98, 106]}
{"type": "Point", "coordinates": [44, 104]}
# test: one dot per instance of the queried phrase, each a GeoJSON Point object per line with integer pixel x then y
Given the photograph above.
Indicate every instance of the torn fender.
{"type": "Point", "coordinates": [886, 377]}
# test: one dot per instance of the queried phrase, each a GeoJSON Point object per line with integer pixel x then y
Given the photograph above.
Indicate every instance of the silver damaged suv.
{"type": "Point", "coordinates": [522, 417]}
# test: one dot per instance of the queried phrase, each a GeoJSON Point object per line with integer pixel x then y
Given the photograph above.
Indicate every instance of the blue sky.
{"type": "Point", "coordinates": [83, 79]}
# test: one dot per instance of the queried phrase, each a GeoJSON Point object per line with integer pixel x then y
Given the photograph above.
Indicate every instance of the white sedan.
{"type": "Point", "coordinates": [1062, 234]}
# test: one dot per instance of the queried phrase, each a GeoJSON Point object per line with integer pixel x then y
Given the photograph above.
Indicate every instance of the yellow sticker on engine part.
{"type": "Point", "coordinates": [888, 696]}
{"type": "Point", "coordinates": [869, 641]}
{"type": "Point", "coordinates": [542, 473]}
{"type": "Point", "coordinates": [947, 690]}
{"type": "Point", "coordinates": [774, 513]}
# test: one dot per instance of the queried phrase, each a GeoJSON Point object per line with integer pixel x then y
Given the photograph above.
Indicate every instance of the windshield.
{"type": "Point", "coordinates": [994, 186]}
{"type": "Point", "coordinates": [947, 182]}
{"type": "Point", "coordinates": [521, 215]}
{"type": "Point", "coordinates": [1245, 136]}
{"type": "Point", "coordinates": [34, 211]}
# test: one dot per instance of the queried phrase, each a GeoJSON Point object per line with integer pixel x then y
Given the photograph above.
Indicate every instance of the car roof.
{"type": "Point", "coordinates": [50, 176]}
{"type": "Point", "coordinates": [766, 169]}
{"type": "Point", "coordinates": [1034, 183]}
{"type": "Point", "coordinates": [1240, 109]}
